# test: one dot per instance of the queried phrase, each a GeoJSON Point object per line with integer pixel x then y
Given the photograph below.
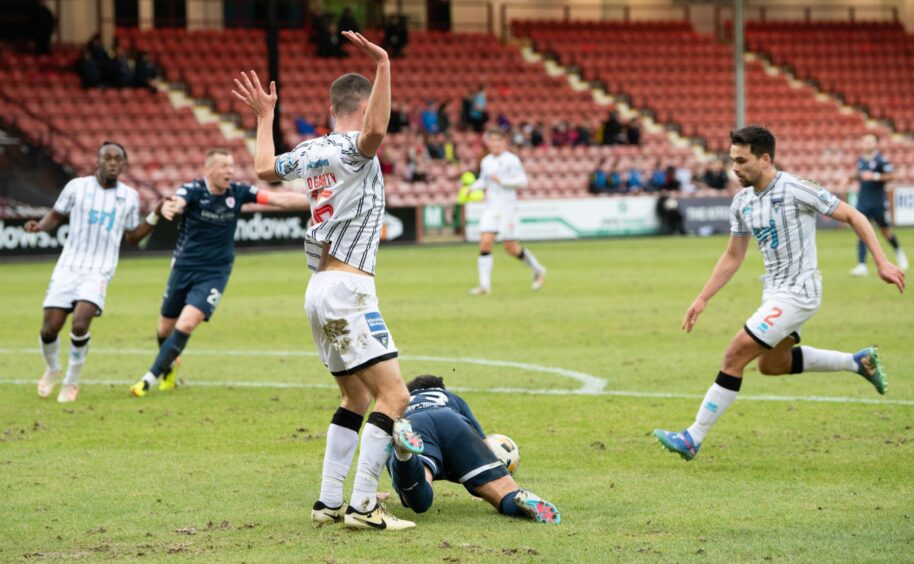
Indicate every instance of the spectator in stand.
{"type": "Point", "coordinates": [635, 180]}
{"type": "Point", "coordinates": [144, 71]}
{"type": "Point", "coordinates": [450, 148]}
{"type": "Point", "coordinates": [41, 25]}
{"type": "Point", "coordinates": [583, 135]}
{"type": "Point", "coordinates": [120, 69]}
{"type": "Point", "coordinates": [429, 118]}
{"type": "Point", "coordinates": [304, 127]}
{"type": "Point", "coordinates": [518, 136]}
{"type": "Point", "coordinates": [615, 179]}
{"type": "Point", "coordinates": [97, 50]}
{"type": "Point", "coordinates": [329, 44]}
{"type": "Point", "coordinates": [669, 214]}
{"type": "Point", "coordinates": [599, 180]}
{"type": "Point", "coordinates": [399, 118]}
{"type": "Point", "coordinates": [444, 120]}
{"type": "Point", "coordinates": [633, 132]}
{"type": "Point", "coordinates": [560, 136]}
{"type": "Point", "coordinates": [347, 21]}
{"type": "Point", "coordinates": [435, 147]}
{"type": "Point", "coordinates": [537, 138]}
{"type": "Point", "coordinates": [715, 176]}
{"type": "Point", "coordinates": [417, 159]}
{"type": "Point", "coordinates": [671, 181]}
{"type": "Point", "coordinates": [396, 35]}
{"type": "Point", "coordinates": [478, 114]}
{"type": "Point", "coordinates": [89, 71]}
{"type": "Point", "coordinates": [658, 180]}
{"type": "Point", "coordinates": [612, 130]}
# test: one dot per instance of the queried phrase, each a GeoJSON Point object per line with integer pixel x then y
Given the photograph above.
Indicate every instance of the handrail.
{"type": "Point", "coordinates": [589, 10]}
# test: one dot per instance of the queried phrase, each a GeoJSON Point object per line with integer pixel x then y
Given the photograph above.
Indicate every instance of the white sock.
{"type": "Point", "coordinates": [716, 402]}
{"type": "Point", "coordinates": [531, 261]}
{"type": "Point", "coordinates": [372, 456]}
{"type": "Point", "coordinates": [77, 358]}
{"type": "Point", "coordinates": [818, 360]}
{"type": "Point", "coordinates": [49, 352]}
{"type": "Point", "coordinates": [149, 378]}
{"type": "Point", "coordinates": [485, 272]}
{"type": "Point", "coordinates": [341, 445]}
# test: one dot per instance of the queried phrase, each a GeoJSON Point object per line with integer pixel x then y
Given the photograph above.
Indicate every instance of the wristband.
{"type": "Point", "coordinates": [152, 218]}
{"type": "Point", "coordinates": [263, 198]}
{"type": "Point", "coordinates": [877, 176]}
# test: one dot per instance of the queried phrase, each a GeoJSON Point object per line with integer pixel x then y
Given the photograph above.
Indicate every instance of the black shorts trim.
{"type": "Point", "coordinates": [72, 308]}
{"type": "Point", "coordinates": [755, 338]}
{"type": "Point", "coordinates": [367, 364]}
{"type": "Point", "coordinates": [796, 337]}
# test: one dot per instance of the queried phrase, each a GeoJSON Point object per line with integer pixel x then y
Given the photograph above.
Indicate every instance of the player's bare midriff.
{"type": "Point", "coordinates": [331, 263]}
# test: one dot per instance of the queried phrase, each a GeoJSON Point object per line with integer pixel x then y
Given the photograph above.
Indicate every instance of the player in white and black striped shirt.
{"type": "Point", "coordinates": [779, 210]}
{"type": "Point", "coordinates": [346, 192]}
{"type": "Point", "coordinates": [101, 210]}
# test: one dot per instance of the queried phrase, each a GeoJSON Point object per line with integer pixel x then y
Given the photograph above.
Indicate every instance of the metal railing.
{"type": "Point", "coordinates": [809, 13]}
{"type": "Point", "coordinates": [589, 11]}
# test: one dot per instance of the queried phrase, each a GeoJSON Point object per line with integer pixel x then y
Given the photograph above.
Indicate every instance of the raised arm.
{"type": "Point", "coordinates": [889, 273]}
{"type": "Point", "coordinates": [726, 267]}
{"type": "Point", "coordinates": [285, 200]}
{"type": "Point", "coordinates": [377, 113]}
{"type": "Point", "coordinates": [249, 91]}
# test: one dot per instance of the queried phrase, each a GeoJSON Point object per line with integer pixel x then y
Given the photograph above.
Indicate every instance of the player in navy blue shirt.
{"type": "Point", "coordinates": [455, 450]}
{"type": "Point", "coordinates": [874, 171]}
{"type": "Point", "coordinates": [203, 257]}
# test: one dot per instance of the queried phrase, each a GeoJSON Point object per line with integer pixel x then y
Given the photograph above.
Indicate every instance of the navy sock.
{"type": "Point", "coordinates": [509, 507]}
{"type": "Point", "coordinates": [861, 252]}
{"type": "Point", "coordinates": [408, 477]}
{"type": "Point", "coordinates": [894, 242]}
{"type": "Point", "coordinates": [169, 351]}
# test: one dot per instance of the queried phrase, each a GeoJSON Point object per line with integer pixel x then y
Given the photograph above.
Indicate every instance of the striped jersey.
{"type": "Point", "coordinates": [98, 218]}
{"type": "Point", "coordinates": [782, 218]}
{"type": "Point", "coordinates": [509, 171]}
{"type": "Point", "coordinates": [346, 192]}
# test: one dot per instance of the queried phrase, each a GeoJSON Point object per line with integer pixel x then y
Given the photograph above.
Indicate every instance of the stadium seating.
{"type": "Point", "coordinates": [438, 66]}
{"type": "Point", "coordinates": [687, 79]}
{"type": "Point", "coordinates": [165, 146]}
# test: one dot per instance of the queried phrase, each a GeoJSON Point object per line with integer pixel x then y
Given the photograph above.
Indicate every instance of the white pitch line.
{"type": "Point", "coordinates": [591, 385]}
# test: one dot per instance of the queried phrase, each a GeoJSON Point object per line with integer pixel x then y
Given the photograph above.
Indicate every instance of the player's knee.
{"type": "Point", "coordinates": [49, 334]}
{"type": "Point", "coordinates": [769, 368]}
{"type": "Point", "coordinates": [80, 326]}
{"type": "Point", "coordinates": [422, 506]}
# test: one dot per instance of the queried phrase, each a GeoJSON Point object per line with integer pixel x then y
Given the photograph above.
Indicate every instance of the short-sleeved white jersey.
{"type": "Point", "coordinates": [346, 192]}
{"type": "Point", "coordinates": [782, 218]}
{"type": "Point", "coordinates": [509, 171]}
{"type": "Point", "coordinates": [98, 218]}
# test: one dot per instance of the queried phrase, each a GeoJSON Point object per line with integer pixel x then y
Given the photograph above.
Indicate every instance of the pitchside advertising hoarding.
{"type": "Point", "coordinates": [577, 218]}
{"type": "Point", "coordinates": [255, 229]}
{"type": "Point", "coordinates": [904, 205]}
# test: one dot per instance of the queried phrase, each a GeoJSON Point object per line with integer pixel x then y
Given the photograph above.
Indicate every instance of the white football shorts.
{"type": "Point", "coordinates": [346, 324]}
{"type": "Point", "coordinates": [68, 287]}
{"type": "Point", "coordinates": [501, 221]}
{"type": "Point", "coordinates": [781, 315]}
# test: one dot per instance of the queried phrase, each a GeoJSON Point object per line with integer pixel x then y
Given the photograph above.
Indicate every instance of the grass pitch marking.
{"type": "Point", "coordinates": [590, 385]}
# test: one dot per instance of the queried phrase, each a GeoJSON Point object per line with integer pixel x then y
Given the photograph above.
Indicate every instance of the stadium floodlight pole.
{"type": "Point", "coordinates": [739, 65]}
{"type": "Point", "coordinates": [272, 33]}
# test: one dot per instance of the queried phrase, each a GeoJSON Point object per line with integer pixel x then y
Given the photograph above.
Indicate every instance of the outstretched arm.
{"type": "Point", "coordinates": [249, 91]}
{"type": "Point", "coordinates": [889, 273]}
{"type": "Point", "coordinates": [285, 200]}
{"type": "Point", "coordinates": [47, 223]}
{"type": "Point", "coordinates": [145, 227]}
{"type": "Point", "coordinates": [377, 113]}
{"type": "Point", "coordinates": [726, 267]}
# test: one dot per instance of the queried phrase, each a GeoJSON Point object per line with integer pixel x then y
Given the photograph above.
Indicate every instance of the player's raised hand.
{"type": "Point", "coordinates": [170, 208]}
{"type": "Point", "coordinates": [249, 91]}
{"type": "Point", "coordinates": [691, 316]}
{"type": "Point", "coordinates": [374, 51]}
{"type": "Point", "coordinates": [891, 274]}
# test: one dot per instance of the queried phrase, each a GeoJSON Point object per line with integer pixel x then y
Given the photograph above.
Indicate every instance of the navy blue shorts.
{"type": "Point", "coordinates": [203, 290]}
{"type": "Point", "coordinates": [453, 450]}
{"type": "Point", "coordinates": [875, 212]}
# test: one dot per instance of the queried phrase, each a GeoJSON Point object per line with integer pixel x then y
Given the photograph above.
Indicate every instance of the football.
{"type": "Point", "coordinates": [506, 451]}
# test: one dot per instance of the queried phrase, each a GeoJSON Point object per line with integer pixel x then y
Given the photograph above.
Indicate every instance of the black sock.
{"type": "Point", "coordinates": [728, 382]}
{"type": "Point", "coordinates": [168, 352]}
{"type": "Point", "coordinates": [894, 242]}
{"type": "Point", "coordinates": [381, 421]}
{"type": "Point", "coordinates": [796, 363]}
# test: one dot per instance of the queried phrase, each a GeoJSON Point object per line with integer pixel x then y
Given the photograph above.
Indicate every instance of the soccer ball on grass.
{"type": "Point", "coordinates": [506, 451]}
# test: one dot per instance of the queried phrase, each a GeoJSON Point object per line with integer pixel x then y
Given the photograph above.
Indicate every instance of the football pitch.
{"type": "Point", "coordinates": [812, 467]}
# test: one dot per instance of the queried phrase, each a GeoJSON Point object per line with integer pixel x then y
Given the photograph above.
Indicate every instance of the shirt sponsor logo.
{"type": "Point", "coordinates": [319, 163]}
{"type": "Point", "coordinates": [102, 217]}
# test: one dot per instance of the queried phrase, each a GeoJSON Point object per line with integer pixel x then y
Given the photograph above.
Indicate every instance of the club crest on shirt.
{"type": "Point", "coordinates": [776, 204]}
{"type": "Point", "coordinates": [747, 211]}
{"type": "Point", "coordinates": [378, 328]}
{"type": "Point", "coordinates": [230, 202]}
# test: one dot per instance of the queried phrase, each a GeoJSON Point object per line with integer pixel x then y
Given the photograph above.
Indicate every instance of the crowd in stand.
{"type": "Point", "coordinates": [609, 178]}
{"type": "Point", "coordinates": [330, 43]}
{"type": "Point", "coordinates": [121, 68]}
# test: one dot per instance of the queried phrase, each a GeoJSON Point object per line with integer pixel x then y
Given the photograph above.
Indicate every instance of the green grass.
{"type": "Point", "coordinates": [228, 473]}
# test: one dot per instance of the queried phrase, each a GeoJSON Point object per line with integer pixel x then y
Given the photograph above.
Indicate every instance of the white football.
{"type": "Point", "coordinates": [506, 451]}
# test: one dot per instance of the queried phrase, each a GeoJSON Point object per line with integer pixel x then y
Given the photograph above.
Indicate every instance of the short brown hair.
{"type": "Point", "coordinates": [757, 138]}
{"type": "Point", "coordinates": [213, 152]}
{"type": "Point", "coordinates": [347, 92]}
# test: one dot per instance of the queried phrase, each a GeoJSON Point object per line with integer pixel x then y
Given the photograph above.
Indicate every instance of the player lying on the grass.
{"type": "Point", "coordinates": [501, 174]}
{"type": "Point", "coordinates": [780, 210]}
{"type": "Point", "coordinates": [347, 202]}
{"type": "Point", "coordinates": [874, 171]}
{"type": "Point", "coordinates": [101, 210]}
{"type": "Point", "coordinates": [455, 450]}
{"type": "Point", "coordinates": [203, 257]}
